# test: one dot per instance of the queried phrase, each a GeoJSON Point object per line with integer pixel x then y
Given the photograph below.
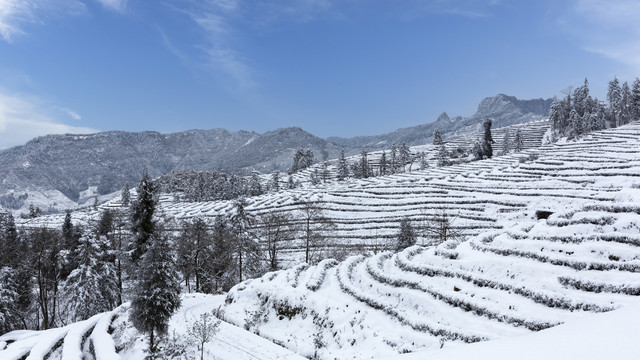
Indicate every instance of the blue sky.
{"type": "Point", "coordinates": [343, 67]}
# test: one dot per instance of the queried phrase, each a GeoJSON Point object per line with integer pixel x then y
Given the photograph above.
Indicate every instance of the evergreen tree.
{"type": "Point", "coordinates": [437, 138]}
{"type": "Point", "coordinates": [443, 156]}
{"type": "Point", "coordinates": [307, 159]}
{"type": "Point", "coordinates": [343, 167]}
{"type": "Point", "coordinates": [423, 160]}
{"type": "Point", "coordinates": [12, 250]}
{"type": "Point", "coordinates": [404, 156]}
{"type": "Point", "coordinates": [157, 293]}
{"type": "Point", "coordinates": [314, 177]}
{"type": "Point", "coordinates": [506, 143]}
{"type": "Point", "coordinates": [275, 181]}
{"type": "Point", "coordinates": [394, 159]}
{"type": "Point", "coordinates": [91, 288]}
{"type": "Point", "coordinates": [363, 167]}
{"type": "Point", "coordinates": [10, 318]}
{"type": "Point", "coordinates": [255, 188]}
{"type": "Point", "coordinates": [406, 235]}
{"type": "Point", "coordinates": [106, 223]}
{"type": "Point", "coordinates": [290, 183]}
{"type": "Point", "coordinates": [635, 99]}
{"type": "Point", "coordinates": [626, 104]}
{"type": "Point", "coordinates": [126, 195]}
{"type": "Point", "coordinates": [383, 163]}
{"type": "Point", "coordinates": [517, 141]}
{"type": "Point", "coordinates": [487, 140]}
{"type": "Point", "coordinates": [297, 161]}
{"type": "Point", "coordinates": [247, 249]}
{"type": "Point", "coordinates": [142, 224]}
{"type": "Point", "coordinates": [614, 96]}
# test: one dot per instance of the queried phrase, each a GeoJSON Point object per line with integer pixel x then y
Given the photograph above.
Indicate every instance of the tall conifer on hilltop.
{"type": "Point", "coordinates": [142, 210]}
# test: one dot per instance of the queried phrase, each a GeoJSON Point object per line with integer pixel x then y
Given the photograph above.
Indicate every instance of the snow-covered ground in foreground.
{"type": "Point", "coordinates": [107, 332]}
{"type": "Point", "coordinates": [612, 335]}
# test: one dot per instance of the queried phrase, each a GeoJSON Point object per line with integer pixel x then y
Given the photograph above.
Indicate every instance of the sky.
{"type": "Point", "coordinates": [332, 67]}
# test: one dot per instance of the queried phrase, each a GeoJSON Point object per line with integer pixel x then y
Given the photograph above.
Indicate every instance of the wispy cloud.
{"type": "Point", "coordinates": [116, 5]}
{"type": "Point", "coordinates": [608, 27]}
{"type": "Point", "coordinates": [224, 22]}
{"type": "Point", "coordinates": [23, 118]}
{"type": "Point", "coordinates": [16, 14]}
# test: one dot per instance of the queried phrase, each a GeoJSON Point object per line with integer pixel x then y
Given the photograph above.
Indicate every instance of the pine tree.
{"type": "Point", "coordinates": [506, 143]}
{"type": "Point", "coordinates": [487, 140]}
{"type": "Point", "coordinates": [91, 288]}
{"type": "Point", "coordinates": [275, 181]}
{"type": "Point", "coordinates": [383, 163]}
{"type": "Point", "coordinates": [517, 145]}
{"type": "Point", "coordinates": [635, 99]}
{"type": "Point", "coordinates": [343, 167]}
{"type": "Point", "coordinates": [614, 96]}
{"type": "Point", "coordinates": [626, 104]}
{"type": "Point", "coordinates": [437, 138]}
{"type": "Point", "coordinates": [126, 195]}
{"type": "Point", "coordinates": [142, 224]}
{"type": "Point", "coordinates": [10, 318]}
{"type": "Point", "coordinates": [297, 161]}
{"type": "Point", "coordinates": [406, 235]}
{"type": "Point", "coordinates": [307, 159]}
{"type": "Point", "coordinates": [363, 167]}
{"type": "Point", "coordinates": [255, 188]}
{"type": "Point", "coordinates": [157, 293]}
{"type": "Point", "coordinates": [404, 156]}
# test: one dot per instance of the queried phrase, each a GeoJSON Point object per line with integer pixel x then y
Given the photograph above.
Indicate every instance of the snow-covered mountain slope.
{"type": "Point", "coordinates": [497, 285]}
{"type": "Point", "coordinates": [483, 195]}
{"type": "Point", "coordinates": [508, 277]}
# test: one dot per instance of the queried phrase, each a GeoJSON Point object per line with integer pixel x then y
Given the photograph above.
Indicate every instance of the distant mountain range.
{"type": "Point", "coordinates": [61, 171]}
{"type": "Point", "coordinates": [503, 109]}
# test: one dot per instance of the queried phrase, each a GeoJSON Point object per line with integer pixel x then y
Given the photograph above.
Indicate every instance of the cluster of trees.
{"type": "Point", "coordinates": [301, 160]}
{"type": "Point", "coordinates": [396, 162]}
{"type": "Point", "coordinates": [579, 113]}
{"type": "Point", "coordinates": [209, 185]}
{"type": "Point", "coordinates": [50, 277]}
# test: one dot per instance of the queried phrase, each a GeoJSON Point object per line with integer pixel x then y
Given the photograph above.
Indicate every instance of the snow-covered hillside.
{"type": "Point", "coordinates": [482, 195]}
{"type": "Point", "coordinates": [510, 276]}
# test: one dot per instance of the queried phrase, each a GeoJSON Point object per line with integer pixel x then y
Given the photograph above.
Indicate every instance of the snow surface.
{"type": "Point", "coordinates": [508, 280]}
{"type": "Point", "coordinates": [612, 335]}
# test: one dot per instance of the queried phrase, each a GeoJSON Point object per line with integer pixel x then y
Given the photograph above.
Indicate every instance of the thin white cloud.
{"type": "Point", "coordinates": [116, 5]}
{"type": "Point", "coordinates": [222, 22]}
{"type": "Point", "coordinates": [72, 114]}
{"type": "Point", "coordinates": [608, 27]}
{"type": "Point", "coordinates": [23, 118]}
{"type": "Point", "coordinates": [15, 15]}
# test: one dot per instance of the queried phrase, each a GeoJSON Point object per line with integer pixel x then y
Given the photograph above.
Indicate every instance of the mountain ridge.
{"type": "Point", "coordinates": [56, 169]}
